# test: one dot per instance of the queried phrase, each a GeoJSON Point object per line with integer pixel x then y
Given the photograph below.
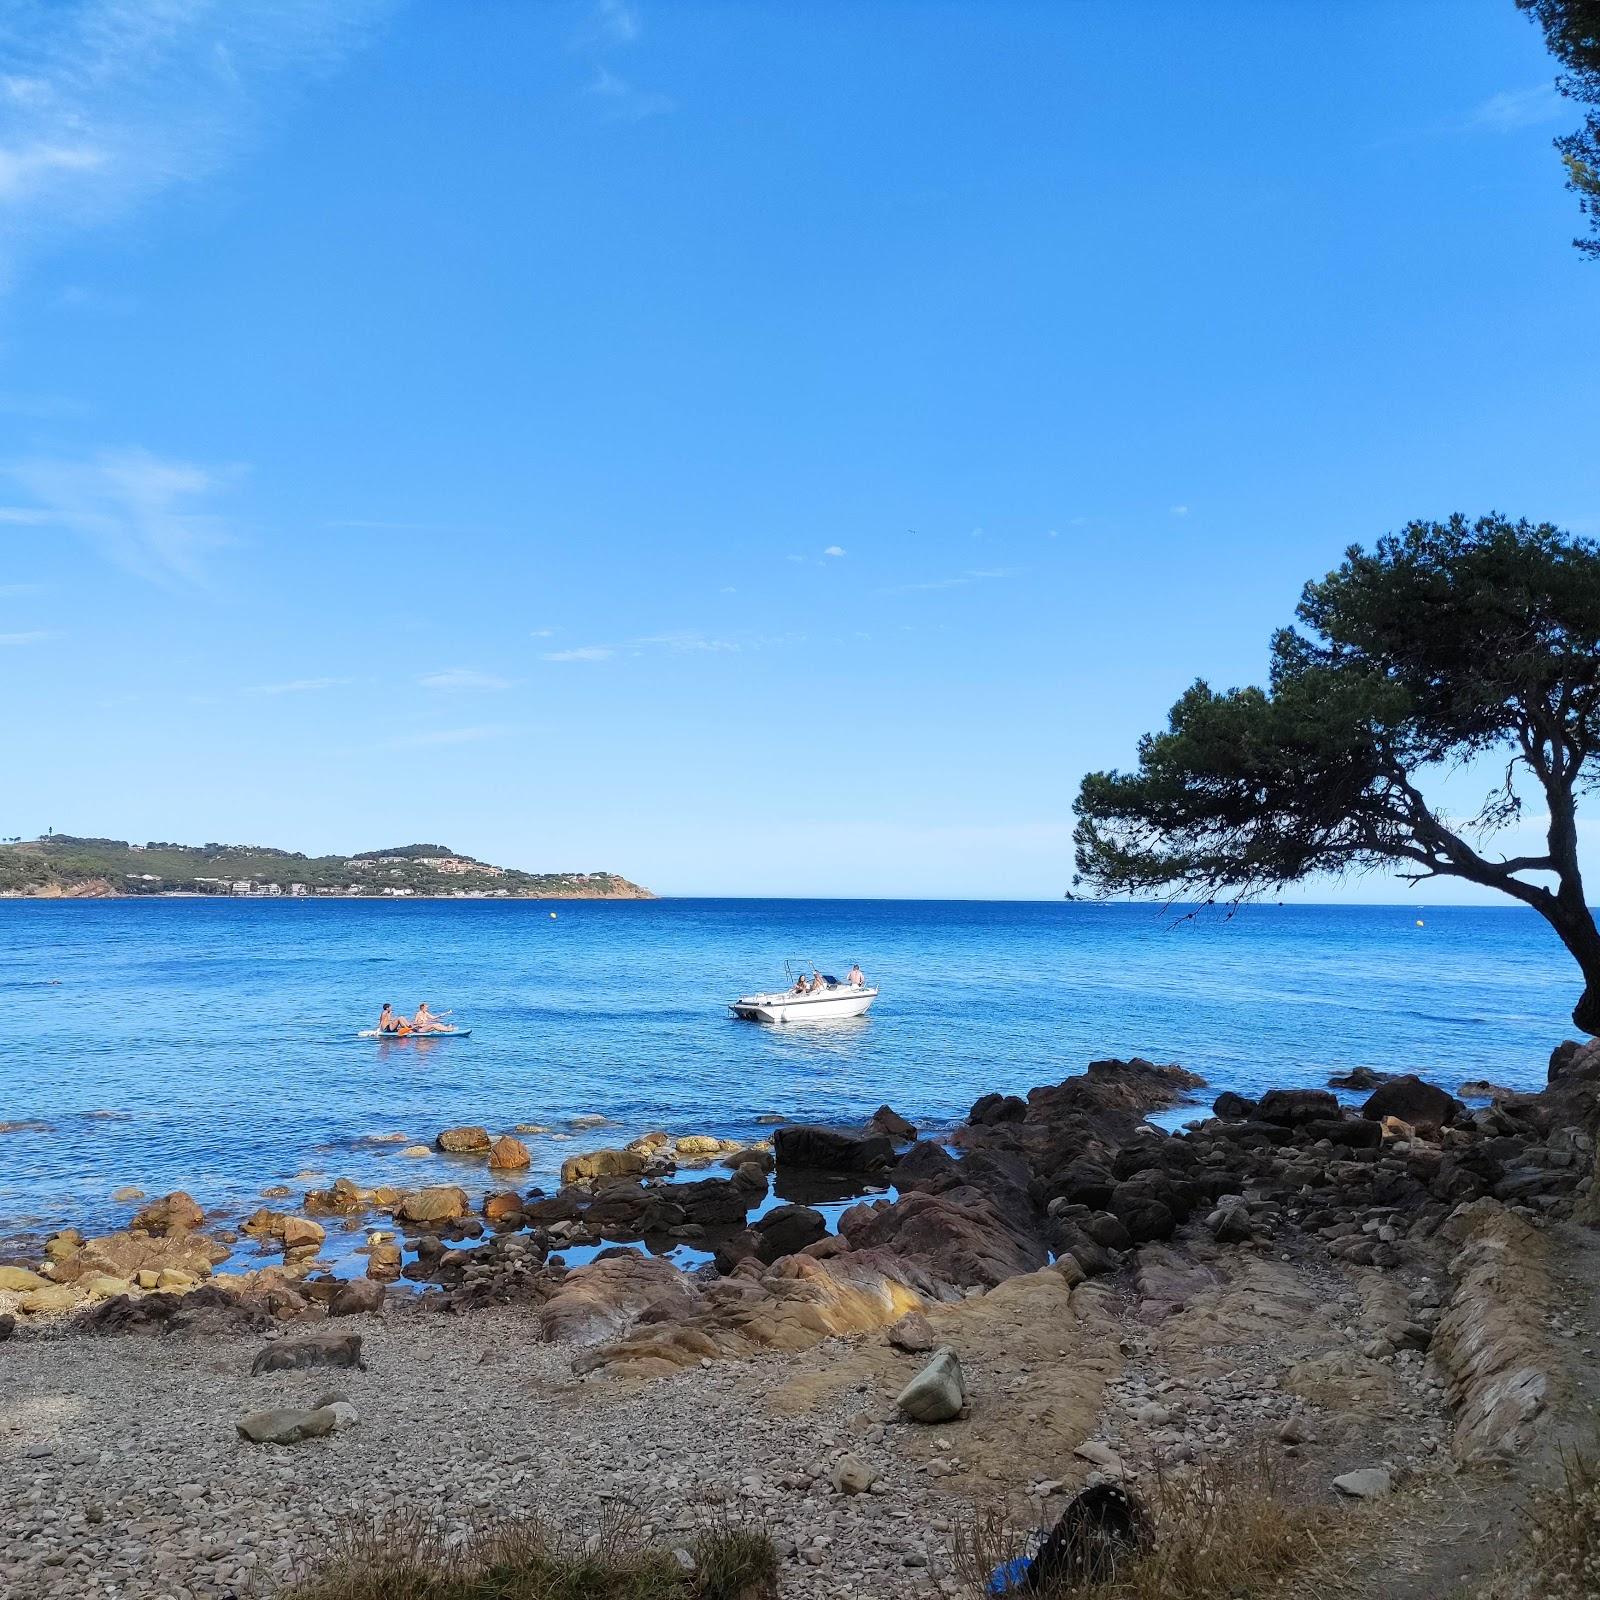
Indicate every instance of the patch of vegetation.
{"type": "Point", "coordinates": [529, 1559]}
{"type": "Point", "coordinates": [1562, 1560]}
{"type": "Point", "coordinates": [1228, 1530]}
{"type": "Point", "coordinates": [62, 864]}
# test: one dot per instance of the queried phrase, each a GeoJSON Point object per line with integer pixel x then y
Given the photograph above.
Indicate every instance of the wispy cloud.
{"type": "Point", "coordinates": [33, 636]}
{"type": "Point", "coordinates": [106, 103]}
{"type": "Point", "coordinates": [587, 652]}
{"type": "Point", "coordinates": [1179, 511]}
{"type": "Point", "coordinates": [541, 633]}
{"type": "Point", "coordinates": [679, 643]}
{"type": "Point", "coordinates": [834, 550]}
{"type": "Point", "coordinates": [438, 736]}
{"type": "Point", "coordinates": [1519, 108]}
{"type": "Point", "coordinates": [625, 101]}
{"type": "Point", "coordinates": [614, 22]}
{"type": "Point", "coordinates": [958, 581]}
{"type": "Point", "coordinates": [144, 513]}
{"type": "Point", "coordinates": [300, 686]}
{"type": "Point", "coordinates": [463, 678]}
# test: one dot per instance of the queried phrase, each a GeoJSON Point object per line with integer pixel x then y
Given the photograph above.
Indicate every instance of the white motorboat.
{"type": "Point", "coordinates": [829, 1003]}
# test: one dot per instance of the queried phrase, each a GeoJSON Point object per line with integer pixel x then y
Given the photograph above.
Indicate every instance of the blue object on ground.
{"type": "Point", "coordinates": [1010, 1577]}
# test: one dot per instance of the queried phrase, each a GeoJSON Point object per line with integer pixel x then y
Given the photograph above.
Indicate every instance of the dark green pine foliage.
{"type": "Point", "coordinates": [1450, 641]}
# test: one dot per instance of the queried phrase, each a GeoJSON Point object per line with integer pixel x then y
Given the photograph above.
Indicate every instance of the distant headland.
{"type": "Point", "coordinates": [61, 866]}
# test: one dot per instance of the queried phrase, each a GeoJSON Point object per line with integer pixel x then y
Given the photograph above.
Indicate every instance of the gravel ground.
{"type": "Point", "coordinates": [122, 1473]}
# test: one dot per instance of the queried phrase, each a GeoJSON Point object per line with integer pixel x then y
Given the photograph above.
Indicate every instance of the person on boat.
{"type": "Point", "coordinates": [426, 1022]}
{"type": "Point", "coordinates": [801, 986]}
{"type": "Point", "coordinates": [388, 1022]}
{"type": "Point", "coordinates": [857, 978]}
{"type": "Point", "coordinates": [818, 982]}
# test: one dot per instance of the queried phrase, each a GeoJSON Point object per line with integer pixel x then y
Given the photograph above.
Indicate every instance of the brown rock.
{"type": "Point", "coordinates": [300, 1233]}
{"type": "Point", "coordinates": [357, 1297]}
{"type": "Point", "coordinates": [602, 1164]}
{"type": "Point", "coordinates": [443, 1202]}
{"type": "Point", "coordinates": [170, 1214]}
{"type": "Point", "coordinates": [508, 1154]}
{"type": "Point", "coordinates": [463, 1141]}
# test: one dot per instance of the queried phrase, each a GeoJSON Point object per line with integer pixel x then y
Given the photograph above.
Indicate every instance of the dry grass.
{"type": "Point", "coordinates": [1562, 1561]}
{"type": "Point", "coordinates": [409, 1558]}
{"type": "Point", "coordinates": [1225, 1531]}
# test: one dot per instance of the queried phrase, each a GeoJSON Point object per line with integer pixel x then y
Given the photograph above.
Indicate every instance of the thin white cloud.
{"type": "Point", "coordinates": [834, 550]}
{"type": "Point", "coordinates": [441, 736]}
{"type": "Point", "coordinates": [587, 652]}
{"type": "Point", "coordinates": [959, 581]}
{"type": "Point", "coordinates": [541, 633]}
{"type": "Point", "coordinates": [300, 686]}
{"type": "Point", "coordinates": [1179, 511]}
{"type": "Point", "coordinates": [33, 636]}
{"type": "Point", "coordinates": [144, 513]}
{"type": "Point", "coordinates": [106, 103]}
{"type": "Point", "coordinates": [615, 22]}
{"type": "Point", "coordinates": [463, 678]}
{"type": "Point", "coordinates": [623, 101]}
{"type": "Point", "coordinates": [1519, 108]}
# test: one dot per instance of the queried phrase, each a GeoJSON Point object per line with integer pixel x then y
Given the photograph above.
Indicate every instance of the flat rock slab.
{"type": "Point", "coordinates": [1366, 1483]}
{"type": "Point", "coordinates": [288, 1427]}
{"type": "Point", "coordinates": [320, 1350]}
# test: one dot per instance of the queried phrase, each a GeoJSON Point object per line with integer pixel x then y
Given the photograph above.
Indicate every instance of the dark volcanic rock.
{"type": "Point", "coordinates": [786, 1229]}
{"type": "Point", "coordinates": [959, 1238]}
{"type": "Point", "coordinates": [1359, 1078]}
{"type": "Point", "coordinates": [829, 1150]}
{"type": "Point", "coordinates": [991, 1109]}
{"type": "Point", "coordinates": [1234, 1107]}
{"type": "Point", "coordinates": [1143, 1212]}
{"type": "Point", "coordinates": [926, 1166]}
{"type": "Point", "coordinates": [1290, 1107]}
{"type": "Point", "coordinates": [1413, 1101]}
{"type": "Point", "coordinates": [885, 1120]}
{"type": "Point", "coordinates": [1356, 1132]}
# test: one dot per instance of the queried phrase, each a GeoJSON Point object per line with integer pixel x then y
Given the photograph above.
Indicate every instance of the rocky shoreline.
{"type": "Point", "coordinates": [1371, 1295]}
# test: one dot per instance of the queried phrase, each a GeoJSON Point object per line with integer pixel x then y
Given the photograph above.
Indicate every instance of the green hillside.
{"type": "Point", "coordinates": [61, 865]}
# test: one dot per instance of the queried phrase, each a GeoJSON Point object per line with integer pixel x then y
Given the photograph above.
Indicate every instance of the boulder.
{"type": "Point", "coordinates": [1353, 1132]}
{"type": "Point", "coordinates": [300, 1233]}
{"type": "Point", "coordinates": [602, 1164]}
{"type": "Point", "coordinates": [444, 1202]}
{"type": "Point", "coordinates": [786, 1229]}
{"type": "Point", "coordinates": [503, 1206]}
{"type": "Point", "coordinates": [1230, 1224]}
{"type": "Point", "coordinates": [1233, 1107]}
{"type": "Point", "coordinates": [357, 1297]}
{"type": "Point", "coordinates": [1142, 1212]}
{"type": "Point", "coordinates": [1413, 1101]}
{"type": "Point", "coordinates": [1290, 1107]}
{"type": "Point", "coordinates": [991, 1109]}
{"type": "Point", "coordinates": [913, 1333]}
{"type": "Point", "coordinates": [697, 1144]}
{"type": "Point", "coordinates": [938, 1392]}
{"type": "Point", "coordinates": [712, 1202]}
{"type": "Point", "coordinates": [1363, 1078]}
{"type": "Point", "coordinates": [320, 1350]}
{"type": "Point", "coordinates": [754, 1155]}
{"type": "Point", "coordinates": [172, 1213]}
{"type": "Point", "coordinates": [463, 1141]}
{"type": "Point", "coordinates": [851, 1475]}
{"type": "Point", "coordinates": [19, 1280]}
{"type": "Point", "coordinates": [830, 1150]}
{"type": "Point", "coordinates": [384, 1261]}
{"type": "Point", "coordinates": [887, 1121]}
{"type": "Point", "coordinates": [509, 1154]}
{"type": "Point", "coordinates": [8, 1326]}
{"type": "Point", "coordinates": [288, 1427]}
{"type": "Point", "coordinates": [342, 1196]}
{"type": "Point", "coordinates": [959, 1237]}
{"type": "Point", "coordinates": [606, 1297]}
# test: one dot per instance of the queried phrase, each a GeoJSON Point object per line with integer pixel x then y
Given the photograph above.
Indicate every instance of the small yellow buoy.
{"type": "Point", "coordinates": [1420, 922]}
{"type": "Point", "coordinates": [553, 918]}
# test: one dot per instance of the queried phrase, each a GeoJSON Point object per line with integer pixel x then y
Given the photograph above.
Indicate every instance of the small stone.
{"type": "Point", "coordinates": [938, 1392]}
{"type": "Point", "coordinates": [851, 1475]}
{"type": "Point", "coordinates": [1366, 1483]}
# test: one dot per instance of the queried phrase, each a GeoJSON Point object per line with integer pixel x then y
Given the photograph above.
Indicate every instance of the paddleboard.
{"type": "Point", "coordinates": [435, 1033]}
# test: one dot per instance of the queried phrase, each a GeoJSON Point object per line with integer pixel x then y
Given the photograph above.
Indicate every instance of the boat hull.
{"type": "Point", "coordinates": [833, 1005]}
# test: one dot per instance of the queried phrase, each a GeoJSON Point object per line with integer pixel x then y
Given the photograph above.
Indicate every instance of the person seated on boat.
{"type": "Point", "coordinates": [801, 986]}
{"type": "Point", "coordinates": [857, 978]}
{"type": "Point", "coordinates": [426, 1022]}
{"type": "Point", "coordinates": [388, 1022]}
{"type": "Point", "coordinates": [818, 982]}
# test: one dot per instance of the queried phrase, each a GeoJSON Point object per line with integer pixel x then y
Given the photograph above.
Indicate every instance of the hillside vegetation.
{"type": "Point", "coordinates": [62, 865]}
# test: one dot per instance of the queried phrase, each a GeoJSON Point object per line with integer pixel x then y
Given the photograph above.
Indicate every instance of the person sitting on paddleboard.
{"type": "Point", "coordinates": [388, 1022]}
{"type": "Point", "coordinates": [426, 1022]}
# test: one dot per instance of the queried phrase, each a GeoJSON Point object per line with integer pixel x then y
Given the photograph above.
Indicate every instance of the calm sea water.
{"type": "Point", "coordinates": [211, 1045]}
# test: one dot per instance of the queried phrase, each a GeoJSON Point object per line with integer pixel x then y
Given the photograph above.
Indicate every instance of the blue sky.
{"type": "Point", "coordinates": [757, 448]}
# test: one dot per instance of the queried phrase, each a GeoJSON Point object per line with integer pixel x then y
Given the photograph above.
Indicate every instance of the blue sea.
{"type": "Point", "coordinates": [211, 1044]}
